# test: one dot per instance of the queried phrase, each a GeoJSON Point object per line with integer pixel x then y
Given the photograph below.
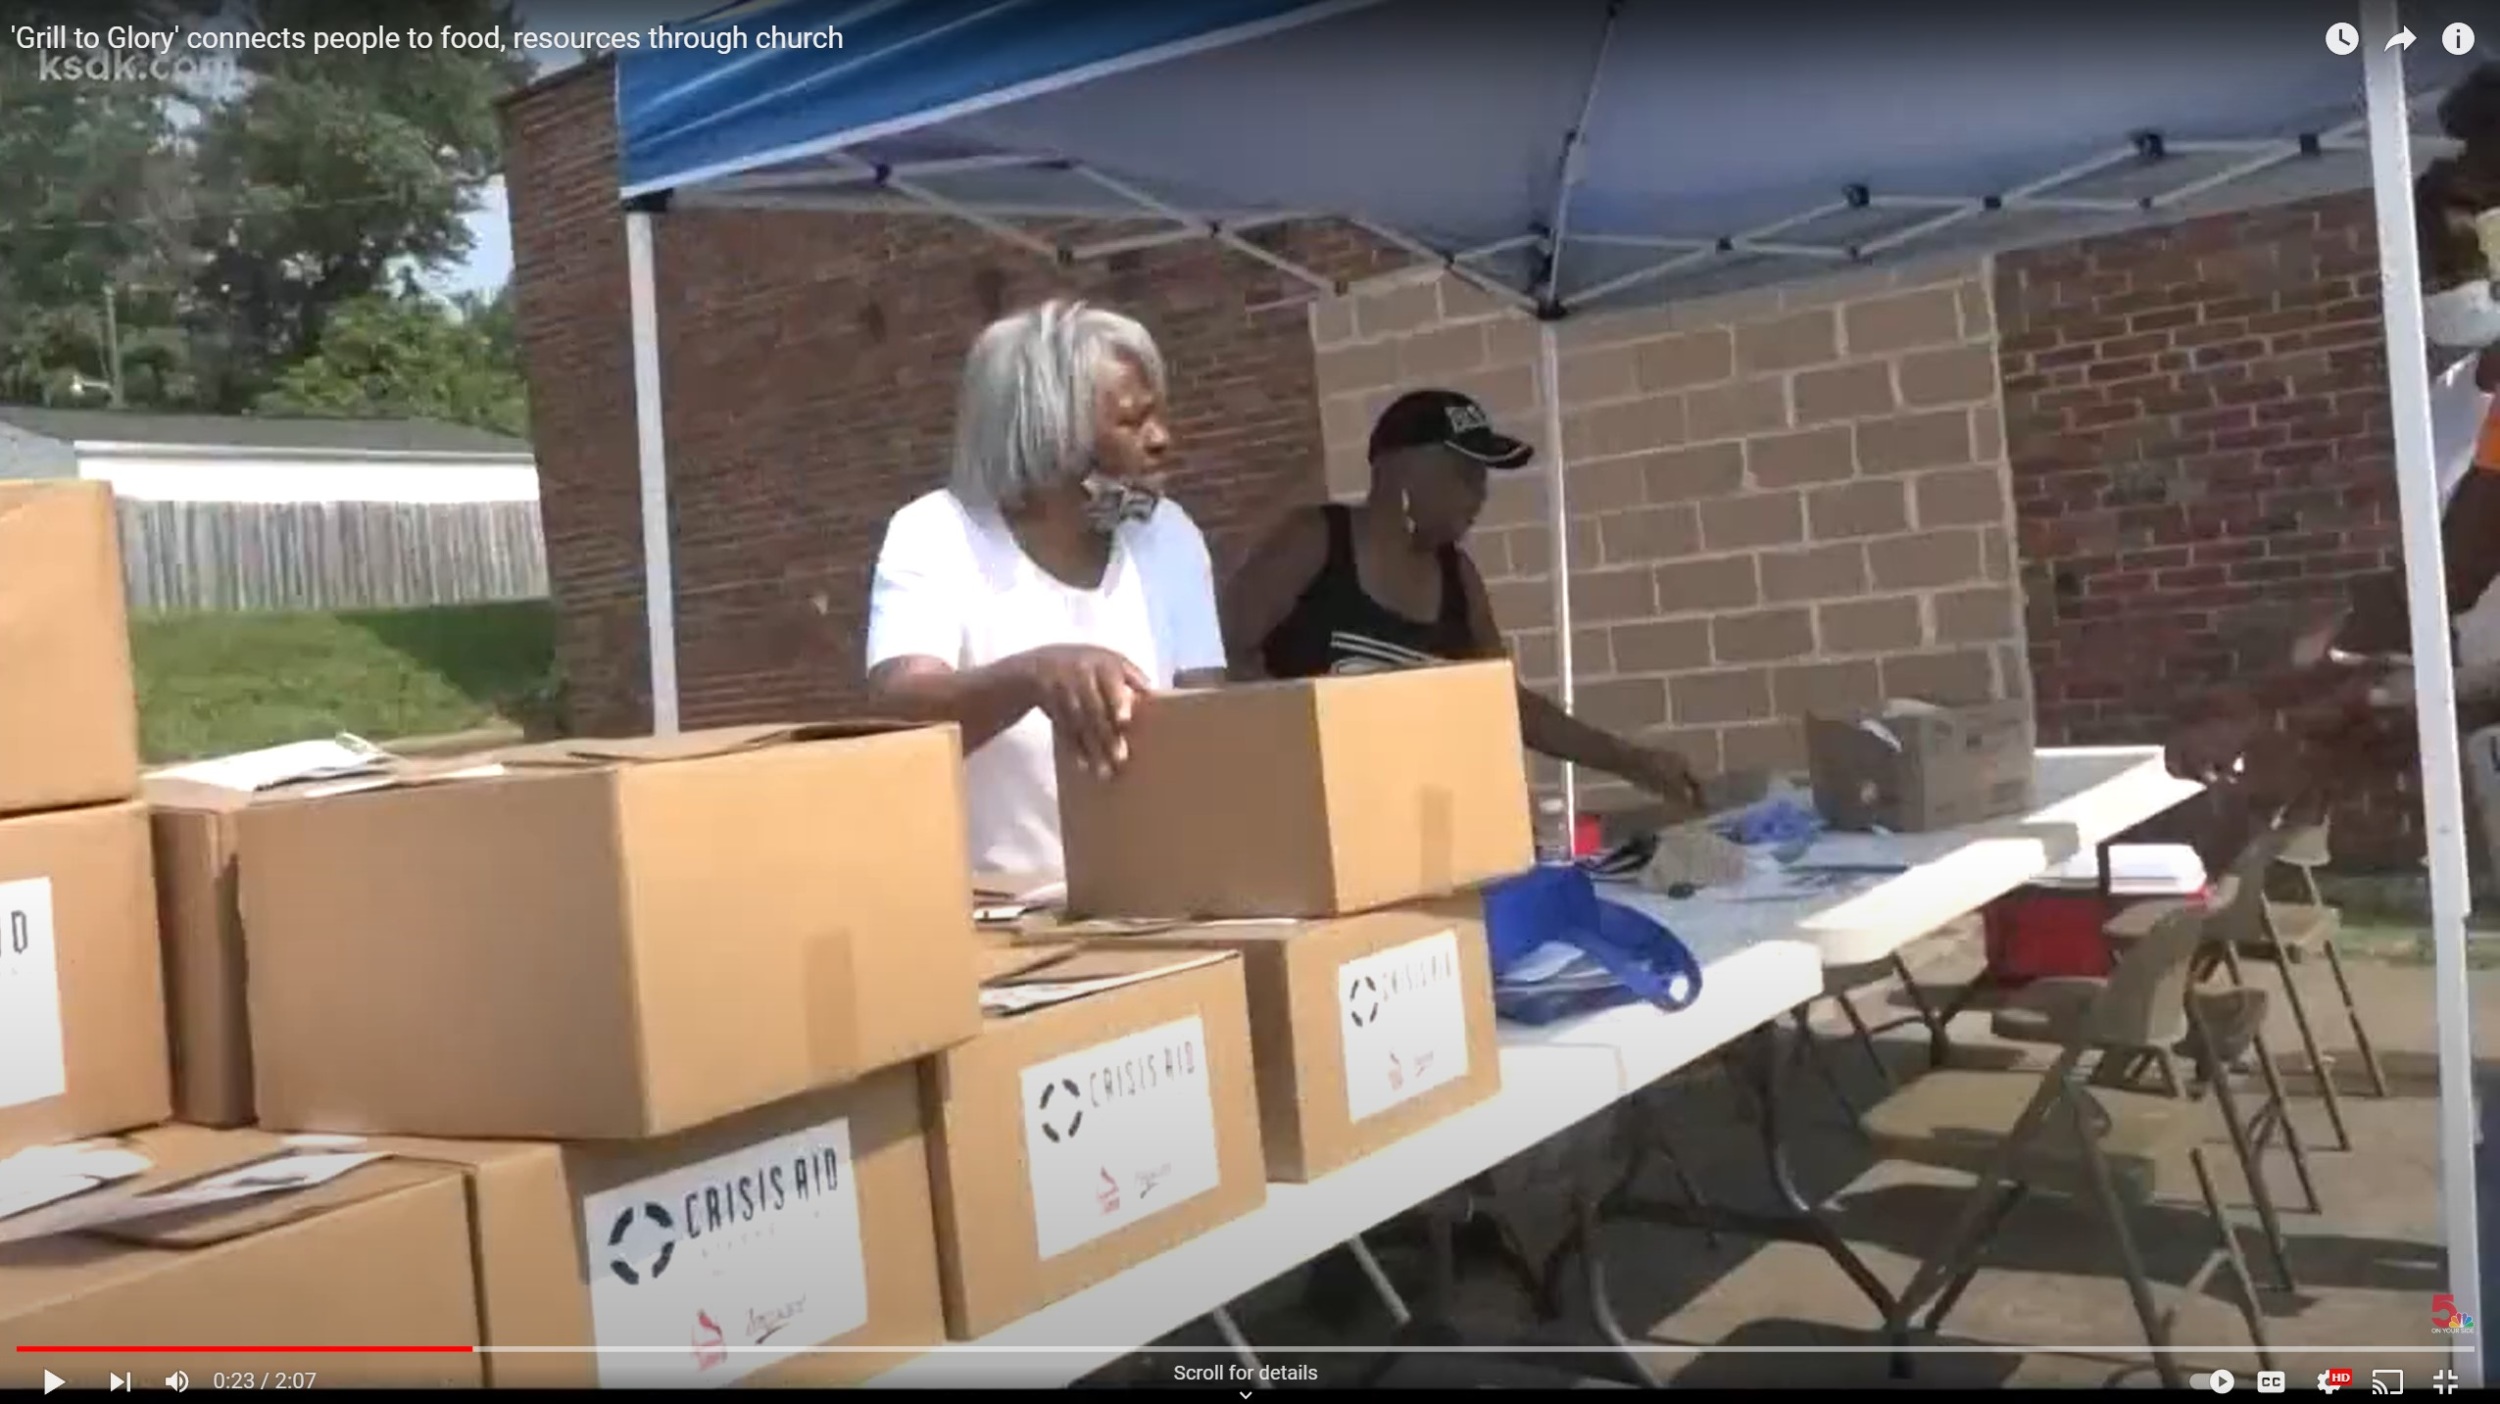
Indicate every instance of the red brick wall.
{"type": "Point", "coordinates": [809, 365]}
{"type": "Point", "coordinates": [2196, 422]}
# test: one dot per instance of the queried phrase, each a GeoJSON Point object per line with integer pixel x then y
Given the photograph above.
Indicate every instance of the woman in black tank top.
{"type": "Point", "coordinates": [1336, 628]}
{"type": "Point", "coordinates": [1301, 606]}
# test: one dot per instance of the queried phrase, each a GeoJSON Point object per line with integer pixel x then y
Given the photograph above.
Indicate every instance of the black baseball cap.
{"type": "Point", "coordinates": [1448, 419]}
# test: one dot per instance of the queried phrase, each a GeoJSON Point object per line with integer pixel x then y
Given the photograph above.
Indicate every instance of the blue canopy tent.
{"type": "Point", "coordinates": [1569, 156]}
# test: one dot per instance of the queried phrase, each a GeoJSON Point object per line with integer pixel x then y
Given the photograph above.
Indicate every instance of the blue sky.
{"type": "Point", "coordinates": [489, 264]}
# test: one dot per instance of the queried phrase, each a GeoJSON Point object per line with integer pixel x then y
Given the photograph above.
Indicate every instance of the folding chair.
{"type": "Point", "coordinates": [2255, 933]}
{"type": "Point", "coordinates": [2018, 1133]}
{"type": "Point", "coordinates": [2302, 929]}
{"type": "Point", "coordinates": [2051, 1011]}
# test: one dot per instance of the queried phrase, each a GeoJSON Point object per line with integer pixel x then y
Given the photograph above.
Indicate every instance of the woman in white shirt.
{"type": "Point", "coordinates": [1049, 585]}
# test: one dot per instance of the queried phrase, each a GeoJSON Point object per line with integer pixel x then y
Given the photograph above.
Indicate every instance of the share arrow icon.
{"type": "Point", "coordinates": [2401, 39]}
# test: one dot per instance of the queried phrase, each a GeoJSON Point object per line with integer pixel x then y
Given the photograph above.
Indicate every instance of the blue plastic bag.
{"type": "Point", "coordinates": [1554, 904]}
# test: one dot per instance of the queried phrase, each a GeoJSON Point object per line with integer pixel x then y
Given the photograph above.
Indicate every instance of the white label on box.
{"type": "Point", "coordinates": [728, 1264]}
{"type": "Point", "coordinates": [1117, 1132]}
{"type": "Point", "coordinates": [34, 1061]}
{"type": "Point", "coordinates": [1404, 1015]}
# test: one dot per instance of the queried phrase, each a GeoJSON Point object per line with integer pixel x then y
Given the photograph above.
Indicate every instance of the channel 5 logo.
{"type": "Point", "coordinates": [2446, 1317]}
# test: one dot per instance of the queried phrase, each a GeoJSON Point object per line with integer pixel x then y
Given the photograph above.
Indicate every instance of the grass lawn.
{"type": "Point", "coordinates": [215, 683]}
{"type": "Point", "coordinates": [2402, 943]}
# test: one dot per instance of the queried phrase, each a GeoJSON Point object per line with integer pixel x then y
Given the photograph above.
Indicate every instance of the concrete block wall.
{"type": "Point", "coordinates": [1779, 502]}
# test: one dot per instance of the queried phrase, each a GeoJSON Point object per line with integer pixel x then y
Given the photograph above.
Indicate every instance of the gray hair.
{"type": "Point", "coordinates": [1025, 417]}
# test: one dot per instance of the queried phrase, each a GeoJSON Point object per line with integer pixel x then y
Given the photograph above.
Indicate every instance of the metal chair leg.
{"type": "Point", "coordinates": [2011, 1195]}
{"type": "Point", "coordinates": [2352, 1013]}
{"type": "Point", "coordinates": [1379, 1279]}
{"type": "Point", "coordinates": [2238, 972]}
{"type": "Point", "coordinates": [1939, 1041]}
{"type": "Point", "coordinates": [1225, 1327]}
{"type": "Point", "coordinates": [1865, 1036]}
{"type": "Point", "coordinates": [2276, 1111]}
{"type": "Point", "coordinates": [2321, 1067]}
{"type": "Point", "coordinates": [1980, 1205]}
{"type": "Point", "coordinates": [2218, 1078]}
{"type": "Point", "coordinates": [1810, 1049]}
{"type": "Point", "coordinates": [1648, 1139]}
{"type": "Point", "coordinates": [2122, 1237]}
{"type": "Point", "coordinates": [1600, 1297]}
{"type": "Point", "coordinates": [2278, 1103]}
{"type": "Point", "coordinates": [2164, 1062]}
{"type": "Point", "coordinates": [2251, 1311]}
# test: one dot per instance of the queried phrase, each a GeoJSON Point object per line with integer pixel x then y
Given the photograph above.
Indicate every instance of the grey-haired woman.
{"type": "Point", "coordinates": [1048, 586]}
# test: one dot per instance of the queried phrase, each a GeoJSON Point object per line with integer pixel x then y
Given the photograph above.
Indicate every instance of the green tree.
{"type": "Point", "coordinates": [329, 170]}
{"type": "Point", "coordinates": [408, 356]}
{"type": "Point", "coordinates": [94, 195]}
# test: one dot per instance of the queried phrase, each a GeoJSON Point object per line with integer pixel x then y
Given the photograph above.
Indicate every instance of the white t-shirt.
{"type": "Point", "coordinates": [953, 585]}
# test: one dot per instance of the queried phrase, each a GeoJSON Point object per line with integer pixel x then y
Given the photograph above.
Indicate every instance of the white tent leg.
{"type": "Point", "coordinates": [659, 576]}
{"type": "Point", "coordinates": [1558, 520]}
{"type": "Point", "coordinates": [2443, 801]}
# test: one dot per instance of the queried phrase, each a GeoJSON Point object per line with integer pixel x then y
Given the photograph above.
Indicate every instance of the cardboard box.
{"type": "Point", "coordinates": [378, 1256]}
{"type": "Point", "coordinates": [1913, 766]}
{"type": "Point", "coordinates": [82, 1011]}
{"type": "Point", "coordinates": [1304, 799]}
{"type": "Point", "coordinates": [607, 940]}
{"type": "Point", "coordinates": [69, 713]}
{"type": "Point", "coordinates": [1107, 1113]}
{"type": "Point", "coordinates": [192, 812]}
{"type": "Point", "coordinates": [804, 1224]}
{"type": "Point", "coordinates": [1365, 1029]}
{"type": "Point", "coordinates": [201, 930]}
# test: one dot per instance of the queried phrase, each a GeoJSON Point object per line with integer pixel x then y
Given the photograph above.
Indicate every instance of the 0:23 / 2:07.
{"type": "Point", "coordinates": [263, 1379]}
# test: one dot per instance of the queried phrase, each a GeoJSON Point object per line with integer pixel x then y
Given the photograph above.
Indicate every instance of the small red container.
{"type": "Point", "coordinates": [2037, 933]}
{"type": "Point", "coordinates": [2045, 931]}
{"type": "Point", "coordinates": [1588, 836]}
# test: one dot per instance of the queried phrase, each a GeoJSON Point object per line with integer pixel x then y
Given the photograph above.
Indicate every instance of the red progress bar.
{"type": "Point", "coordinates": [249, 1350]}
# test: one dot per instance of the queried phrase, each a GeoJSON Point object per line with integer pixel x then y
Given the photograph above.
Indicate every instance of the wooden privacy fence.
{"type": "Point", "coordinates": [329, 555]}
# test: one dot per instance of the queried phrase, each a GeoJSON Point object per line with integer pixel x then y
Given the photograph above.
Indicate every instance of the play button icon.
{"type": "Point", "coordinates": [52, 1382]}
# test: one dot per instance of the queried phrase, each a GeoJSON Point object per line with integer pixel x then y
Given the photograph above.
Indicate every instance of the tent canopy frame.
{"type": "Point", "coordinates": [841, 186]}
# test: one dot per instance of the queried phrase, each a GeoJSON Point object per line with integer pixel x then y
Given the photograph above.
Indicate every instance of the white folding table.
{"type": "Point", "coordinates": [1760, 959]}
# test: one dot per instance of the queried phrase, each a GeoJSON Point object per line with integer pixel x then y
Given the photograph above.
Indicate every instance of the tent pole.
{"type": "Point", "coordinates": [659, 576]}
{"type": "Point", "coordinates": [2443, 802]}
{"type": "Point", "coordinates": [1558, 521]}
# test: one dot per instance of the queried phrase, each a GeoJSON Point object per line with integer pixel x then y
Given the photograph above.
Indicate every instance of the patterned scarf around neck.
{"type": "Point", "coordinates": [1111, 503]}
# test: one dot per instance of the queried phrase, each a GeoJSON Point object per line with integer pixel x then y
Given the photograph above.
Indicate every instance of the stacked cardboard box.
{"type": "Point", "coordinates": [690, 1046]}
{"type": "Point", "coordinates": [592, 1044]}
{"type": "Point", "coordinates": [1366, 809]}
{"type": "Point", "coordinates": [1106, 1113]}
{"type": "Point", "coordinates": [82, 1034]}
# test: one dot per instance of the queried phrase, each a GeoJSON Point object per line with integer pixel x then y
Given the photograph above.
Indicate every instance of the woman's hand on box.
{"type": "Point", "coordinates": [1089, 694]}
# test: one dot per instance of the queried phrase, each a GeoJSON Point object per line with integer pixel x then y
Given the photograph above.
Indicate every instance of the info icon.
{"type": "Point", "coordinates": [2269, 1382]}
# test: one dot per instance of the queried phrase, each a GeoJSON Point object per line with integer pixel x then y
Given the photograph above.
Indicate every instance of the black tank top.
{"type": "Point", "coordinates": [1335, 628]}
